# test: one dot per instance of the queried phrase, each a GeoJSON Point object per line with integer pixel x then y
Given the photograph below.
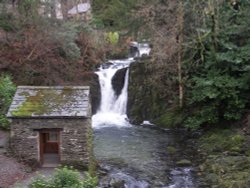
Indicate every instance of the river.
{"type": "Point", "coordinates": [136, 156]}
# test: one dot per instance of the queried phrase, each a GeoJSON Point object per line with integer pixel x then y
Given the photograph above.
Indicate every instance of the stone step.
{"type": "Point", "coordinates": [50, 165]}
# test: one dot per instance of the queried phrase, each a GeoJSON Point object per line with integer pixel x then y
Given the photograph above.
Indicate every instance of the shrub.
{"type": "Point", "coordinates": [65, 177]}
{"type": "Point", "coordinates": [219, 84]}
{"type": "Point", "coordinates": [7, 90]}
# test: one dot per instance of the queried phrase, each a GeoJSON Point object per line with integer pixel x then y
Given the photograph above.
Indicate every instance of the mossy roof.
{"type": "Point", "coordinates": [60, 101]}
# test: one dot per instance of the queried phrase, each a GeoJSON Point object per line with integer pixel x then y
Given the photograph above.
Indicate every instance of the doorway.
{"type": "Point", "coordinates": [49, 148]}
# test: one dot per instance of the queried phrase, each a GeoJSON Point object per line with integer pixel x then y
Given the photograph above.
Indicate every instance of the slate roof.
{"type": "Point", "coordinates": [50, 102]}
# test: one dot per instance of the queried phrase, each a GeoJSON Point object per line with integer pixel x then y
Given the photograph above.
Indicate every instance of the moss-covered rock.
{"type": "Point", "coordinates": [184, 162]}
{"type": "Point", "coordinates": [91, 79]}
{"type": "Point", "coordinates": [222, 140]}
{"type": "Point", "coordinates": [146, 99]}
{"type": "Point", "coordinates": [118, 81]}
{"type": "Point", "coordinates": [227, 163]}
{"type": "Point", "coordinates": [171, 150]}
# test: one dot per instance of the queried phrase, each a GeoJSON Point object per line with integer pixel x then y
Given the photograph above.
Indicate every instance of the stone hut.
{"type": "Point", "coordinates": [82, 11]}
{"type": "Point", "coordinates": [51, 125]}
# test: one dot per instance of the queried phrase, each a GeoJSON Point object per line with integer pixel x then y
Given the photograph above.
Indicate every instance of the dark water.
{"type": "Point", "coordinates": [139, 157]}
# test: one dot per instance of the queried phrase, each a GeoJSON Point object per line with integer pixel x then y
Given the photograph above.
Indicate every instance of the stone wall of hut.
{"type": "Point", "coordinates": [74, 140]}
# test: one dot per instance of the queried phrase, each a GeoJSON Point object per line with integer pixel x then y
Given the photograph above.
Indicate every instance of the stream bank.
{"type": "Point", "coordinates": [148, 98]}
{"type": "Point", "coordinates": [226, 157]}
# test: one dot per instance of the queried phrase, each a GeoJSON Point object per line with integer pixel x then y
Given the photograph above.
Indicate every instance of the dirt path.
{"type": "Point", "coordinates": [47, 172]}
{"type": "Point", "coordinates": [10, 170]}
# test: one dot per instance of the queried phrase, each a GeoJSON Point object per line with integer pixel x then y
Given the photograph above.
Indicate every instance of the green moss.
{"type": "Point", "coordinates": [184, 162]}
{"type": "Point", "coordinates": [171, 119]}
{"type": "Point", "coordinates": [44, 102]}
{"type": "Point", "coordinates": [171, 150]}
{"type": "Point", "coordinates": [222, 140]}
{"type": "Point", "coordinates": [226, 170]}
{"type": "Point", "coordinates": [238, 139]}
{"type": "Point", "coordinates": [228, 162]}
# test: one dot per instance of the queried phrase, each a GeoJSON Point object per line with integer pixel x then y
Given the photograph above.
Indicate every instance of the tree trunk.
{"type": "Point", "coordinates": [180, 21]}
{"type": "Point", "coordinates": [64, 7]}
{"type": "Point", "coordinates": [53, 8]}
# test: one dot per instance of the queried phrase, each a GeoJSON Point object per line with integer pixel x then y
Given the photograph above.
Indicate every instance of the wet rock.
{"type": "Point", "coordinates": [106, 65]}
{"type": "Point", "coordinates": [183, 163]}
{"type": "Point", "coordinates": [121, 180]}
{"type": "Point", "coordinates": [171, 150]}
{"type": "Point", "coordinates": [91, 79]}
{"type": "Point", "coordinates": [145, 101]}
{"type": "Point", "coordinates": [176, 172]}
{"type": "Point", "coordinates": [134, 51]}
{"type": "Point", "coordinates": [150, 95]}
{"type": "Point", "coordinates": [118, 81]}
{"type": "Point", "coordinates": [117, 183]}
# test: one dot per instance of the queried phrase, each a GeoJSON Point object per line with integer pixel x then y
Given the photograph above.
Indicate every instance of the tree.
{"type": "Point", "coordinates": [219, 84]}
{"type": "Point", "coordinates": [7, 90]}
{"type": "Point", "coordinates": [64, 6]}
{"type": "Point", "coordinates": [114, 14]}
{"type": "Point", "coordinates": [180, 22]}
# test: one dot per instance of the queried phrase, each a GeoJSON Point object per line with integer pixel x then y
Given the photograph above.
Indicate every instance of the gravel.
{"type": "Point", "coordinates": [10, 170]}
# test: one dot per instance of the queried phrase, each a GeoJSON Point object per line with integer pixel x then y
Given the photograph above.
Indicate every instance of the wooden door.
{"type": "Point", "coordinates": [49, 143]}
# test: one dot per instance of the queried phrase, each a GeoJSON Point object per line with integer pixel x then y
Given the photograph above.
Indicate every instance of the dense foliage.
{"type": "Point", "coordinates": [7, 90]}
{"type": "Point", "coordinates": [219, 82]}
{"type": "Point", "coordinates": [114, 14]}
{"type": "Point", "coordinates": [47, 52]}
{"type": "Point", "coordinates": [64, 178]}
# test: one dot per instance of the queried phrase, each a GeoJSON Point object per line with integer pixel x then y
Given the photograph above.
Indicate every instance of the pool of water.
{"type": "Point", "coordinates": [143, 156]}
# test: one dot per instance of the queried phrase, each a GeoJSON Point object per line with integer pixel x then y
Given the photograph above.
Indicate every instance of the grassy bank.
{"type": "Point", "coordinates": [226, 155]}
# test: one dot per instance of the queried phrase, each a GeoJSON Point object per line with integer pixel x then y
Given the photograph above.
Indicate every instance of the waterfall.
{"type": "Point", "coordinates": [112, 110]}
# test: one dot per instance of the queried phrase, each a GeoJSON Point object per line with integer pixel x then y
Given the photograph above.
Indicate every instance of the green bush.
{"type": "Point", "coordinates": [172, 118]}
{"type": "Point", "coordinates": [7, 90]}
{"type": "Point", "coordinates": [41, 182]}
{"type": "Point", "coordinates": [66, 36]}
{"type": "Point", "coordinates": [218, 85]}
{"type": "Point", "coordinates": [65, 177]}
{"type": "Point", "coordinates": [113, 37]}
{"type": "Point", "coordinates": [7, 22]}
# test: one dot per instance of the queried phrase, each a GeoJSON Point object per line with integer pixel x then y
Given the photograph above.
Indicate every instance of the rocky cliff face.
{"type": "Point", "coordinates": [118, 81]}
{"type": "Point", "coordinates": [146, 101]}
{"type": "Point", "coordinates": [91, 79]}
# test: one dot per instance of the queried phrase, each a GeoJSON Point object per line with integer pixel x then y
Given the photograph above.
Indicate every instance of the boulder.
{"type": "Point", "coordinates": [183, 162]}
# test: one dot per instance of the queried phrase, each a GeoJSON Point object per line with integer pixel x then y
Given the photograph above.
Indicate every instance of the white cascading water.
{"type": "Point", "coordinates": [112, 111]}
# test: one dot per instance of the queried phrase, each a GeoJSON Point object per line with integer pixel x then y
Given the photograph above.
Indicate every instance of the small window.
{"type": "Point", "coordinates": [53, 137]}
